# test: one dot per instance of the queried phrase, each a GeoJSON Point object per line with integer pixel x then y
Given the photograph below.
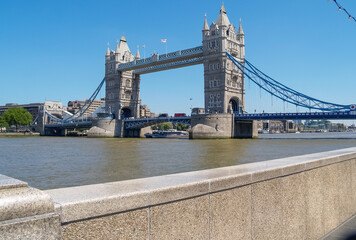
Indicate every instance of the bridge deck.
{"type": "Point", "coordinates": [171, 60]}
{"type": "Point", "coordinates": [145, 122]}
{"type": "Point", "coordinates": [298, 116]}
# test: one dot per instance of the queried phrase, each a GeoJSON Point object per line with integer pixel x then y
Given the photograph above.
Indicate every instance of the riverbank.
{"type": "Point", "coordinates": [18, 134]}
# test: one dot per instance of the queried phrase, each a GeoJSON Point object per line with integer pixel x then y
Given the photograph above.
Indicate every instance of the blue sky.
{"type": "Point", "coordinates": [55, 50]}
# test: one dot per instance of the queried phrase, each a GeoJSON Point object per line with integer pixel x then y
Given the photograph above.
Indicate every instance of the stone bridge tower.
{"type": "Point", "coordinates": [224, 85]}
{"type": "Point", "coordinates": [122, 96]}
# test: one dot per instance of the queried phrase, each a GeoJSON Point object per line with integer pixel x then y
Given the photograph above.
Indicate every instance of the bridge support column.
{"type": "Point", "coordinates": [245, 129]}
{"type": "Point", "coordinates": [212, 126]}
{"type": "Point", "coordinates": [107, 128]}
{"type": "Point", "coordinates": [137, 133]}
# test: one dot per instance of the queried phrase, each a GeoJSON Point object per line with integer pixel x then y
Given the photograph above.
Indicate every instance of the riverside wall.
{"type": "Point", "coordinates": [302, 197]}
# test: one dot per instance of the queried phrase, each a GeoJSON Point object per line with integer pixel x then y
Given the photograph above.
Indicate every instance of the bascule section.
{"type": "Point", "coordinates": [224, 86]}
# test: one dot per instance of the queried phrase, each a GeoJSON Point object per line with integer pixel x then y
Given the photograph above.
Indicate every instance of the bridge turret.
{"type": "Point", "coordinates": [137, 57]}
{"type": "Point", "coordinates": [122, 88]}
{"type": "Point", "coordinates": [117, 52]}
{"type": "Point", "coordinates": [241, 36]}
{"type": "Point", "coordinates": [205, 28]}
{"type": "Point", "coordinates": [107, 55]}
{"type": "Point", "coordinates": [223, 83]}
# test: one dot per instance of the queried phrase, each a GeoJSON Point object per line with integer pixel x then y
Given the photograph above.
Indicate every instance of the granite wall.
{"type": "Point", "coordinates": [302, 197]}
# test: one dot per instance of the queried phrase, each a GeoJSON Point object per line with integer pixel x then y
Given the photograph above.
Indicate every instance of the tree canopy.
{"type": "Point", "coordinates": [3, 123]}
{"type": "Point", "coordinates": [163, 126]}
{"type": "Point", "coordinates": [17, 116]}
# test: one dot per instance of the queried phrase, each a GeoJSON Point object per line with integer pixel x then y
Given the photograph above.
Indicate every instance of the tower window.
{"type": "Point", "coordinates": [227, 32]}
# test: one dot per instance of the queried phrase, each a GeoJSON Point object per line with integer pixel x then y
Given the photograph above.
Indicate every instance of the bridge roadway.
{"type": "Point", "coordinates": [181, 58]}
{"type": "Point", "coordinates": [145, 122]}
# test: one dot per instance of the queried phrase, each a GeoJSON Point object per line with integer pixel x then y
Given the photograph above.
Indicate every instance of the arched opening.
{"type": "Point", "coordinates": [126, 113]}
{"type": "Point", "coordinates": [235, 106]}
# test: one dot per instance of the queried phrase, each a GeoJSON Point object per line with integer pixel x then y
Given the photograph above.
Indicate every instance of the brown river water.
{"type": "Point", "coordinates": [55, 162]}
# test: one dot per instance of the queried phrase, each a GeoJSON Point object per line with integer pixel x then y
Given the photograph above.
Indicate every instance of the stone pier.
{"type": "Point", "coordinates": [221, 125]}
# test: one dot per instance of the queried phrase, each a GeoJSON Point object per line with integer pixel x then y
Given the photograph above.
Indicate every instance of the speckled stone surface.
{"type": "Point", "coordinates": [23, 202]}
{"type": "Point", "coordinates": [267, 218]}
{"type": "Point", "coordinates": [44, 227]}
{"type": "Point", "coordinates": [8, 182]}
{"type": "Point", "coordinates": [128, 225]}
{"type": "Point", "coordinates": [345, 191]}
{"type": "Point", "coordinates": [291, 198]}
{"type": "Point", "coordinates": [230, 214]}
{"type": "Point", "coordinates": [353, 184]}
{"type": "Point", "coordinates": [26, 213]}
{"type": "Point", "coordinates": [293, 206]}
{"type": "Point", "coordinates": [314, 203]}
{"type": "Point", "coordinates": [187, 219]}
{"type": "Point", "coordinates": [331, 209]}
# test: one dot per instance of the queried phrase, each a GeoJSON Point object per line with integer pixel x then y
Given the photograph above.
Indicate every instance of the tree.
{"type": "Point", "coordinates": [181, 127]}
{"type": "Point", "coordinates": [163, 126]}
{"type": "Point", "coordinates": [17, 116]}
{"type": "Point", "coordinates": [3, 123]}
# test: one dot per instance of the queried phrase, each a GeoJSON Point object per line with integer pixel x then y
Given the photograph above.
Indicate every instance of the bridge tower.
{"type": "Point", "coordinates": [122, 96]}
{"type": "Point", "coordinates": [224, 84]}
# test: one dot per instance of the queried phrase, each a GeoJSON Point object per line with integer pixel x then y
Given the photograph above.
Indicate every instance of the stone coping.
{"type": "Point", "coordinates": [9, 182]}
{"type": "Point", "coordinates": [17, 200]}
{"type": "Point", "coordinates": [84, 202]}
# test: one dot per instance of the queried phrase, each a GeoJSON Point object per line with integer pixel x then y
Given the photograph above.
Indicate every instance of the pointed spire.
{"type": "Point", "coordinates": [206, 26]}
{"type": "Point", "coordinates": [240, 31]}
{"type": "Point", "coordinates": [138, 53]}
{"type": "Point", "coordinates": [222, 9]}
{"type": "Point", "coordinates": [108, 51]}
{"type": "Point", "coordinates": [223, 20]}
{"type": "Point", "coordinates": [117, 46]}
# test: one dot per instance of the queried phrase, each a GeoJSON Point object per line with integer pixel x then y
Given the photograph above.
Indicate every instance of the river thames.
{"type": "Point", "coordinates": [54, 162]}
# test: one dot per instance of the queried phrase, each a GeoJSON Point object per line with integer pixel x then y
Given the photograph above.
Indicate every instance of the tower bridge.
{"type": "Point", "coordinates": [225, 67]}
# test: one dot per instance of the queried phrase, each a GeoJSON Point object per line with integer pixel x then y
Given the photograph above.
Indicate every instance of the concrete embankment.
{"type": "Point", "coordinates": [302, 197]}
{"type": "Point", "coordinates": [18, 134]}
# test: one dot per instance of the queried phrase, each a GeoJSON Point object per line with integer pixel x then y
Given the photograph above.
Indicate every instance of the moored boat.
{"type": "Point", "coordinates": [167, 134]}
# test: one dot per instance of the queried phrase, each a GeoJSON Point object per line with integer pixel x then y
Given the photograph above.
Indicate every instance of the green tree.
{"type": "Point", "coordinates": [17, 116]}
{"type": "Point", "coordinates": [3, 123]}
{"type": "Point", "coordinates": [181, 127]}
{"type": "Point", "coordinates": [164, 126]}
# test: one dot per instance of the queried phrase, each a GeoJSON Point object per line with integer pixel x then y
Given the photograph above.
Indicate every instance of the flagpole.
{"type": "Point", "coordinates": [166, 48]}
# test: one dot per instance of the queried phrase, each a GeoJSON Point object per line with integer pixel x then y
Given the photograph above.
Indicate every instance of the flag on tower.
{"type": "Point", "coordinates": [163, 40]}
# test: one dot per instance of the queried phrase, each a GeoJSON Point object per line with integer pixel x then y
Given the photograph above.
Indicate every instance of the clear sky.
{"type": "Point", "coordinates": [55, 50]}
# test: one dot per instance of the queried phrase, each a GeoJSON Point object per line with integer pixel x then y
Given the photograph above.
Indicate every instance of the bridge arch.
{"type": "Point", "coordinates": [234, 104]}
{"type": "Point", "coordinates": [126, 112]}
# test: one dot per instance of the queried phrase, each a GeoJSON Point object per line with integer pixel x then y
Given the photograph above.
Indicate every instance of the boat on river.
{"type": "Point", "coordinates": [167, 134]}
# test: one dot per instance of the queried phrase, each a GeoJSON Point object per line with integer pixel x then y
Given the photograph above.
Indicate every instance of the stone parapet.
{"type": "Point", "coordinates": [26, 213]}
{"type": "Point", "coordinates": [302, 197]}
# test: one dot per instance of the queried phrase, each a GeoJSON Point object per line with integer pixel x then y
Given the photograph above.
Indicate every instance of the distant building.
{"type": "Point", "coordinates": [198, 111]}
{"type": "Point", "coordinates": [145, 112]}
{"type": "Point", "coordinates": [274, 126]}
{"type": "Point", "coordinates": [33, 108]}
{"type": "Point", "coordinates": [74, 106]}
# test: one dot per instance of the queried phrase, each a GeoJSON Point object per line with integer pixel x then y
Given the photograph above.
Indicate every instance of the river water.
{"type": "Point", "coordinates": [54, 162]}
